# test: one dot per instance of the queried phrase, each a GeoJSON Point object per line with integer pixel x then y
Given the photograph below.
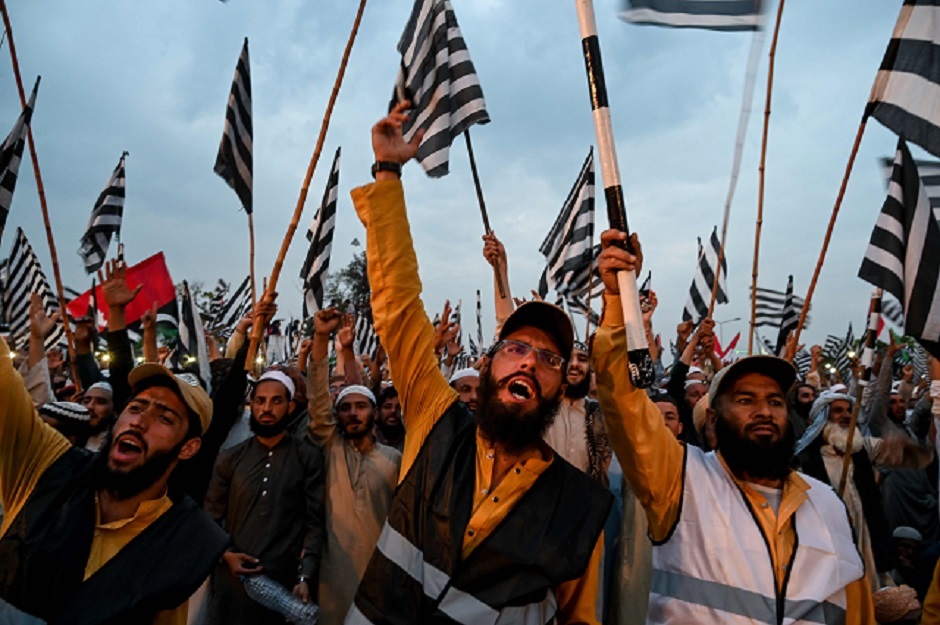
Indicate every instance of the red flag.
{"type": "Point", "coordinates": [723, 353]}
{"type": "Point", "coordinates": [158, 287]}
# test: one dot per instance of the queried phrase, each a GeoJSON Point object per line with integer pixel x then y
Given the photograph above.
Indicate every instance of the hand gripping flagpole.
{"type": "Point", "coordinates": [868, 358]}
{"type": "Point", "coordinates": [640, 363]}
{"type": "Point", "coordinates": [258, 328]}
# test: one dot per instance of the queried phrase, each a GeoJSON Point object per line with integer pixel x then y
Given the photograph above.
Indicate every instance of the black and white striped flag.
{"type": "Point", "coordinates": [802, 362]}
{"type": "Point", "coordinates": [234, 161]}
{"type": "Point", "coordinates": [770, 308]}
{"type": "Point", "coordinates": [709, 14]}
{"type": "Point", "coordinates": [105, 220]}
{"type": "Point", "coordinates": [790, 317]}
{"type": "Point", "coordinates": [480, 343]}
{"type": "Point", "coordinates": [701, 290]}
{"type": "Point", "coordinates": [580, 306]}
{"type": "Point", "coordinates": [902, 255]}
{"type": "Point", "coordinates": [366, 341]}
{"type": "Point", "coordinates": [193, 352]}
{"type": "Point", "coordinates": [893, 313]}
{"type": "Point", "coordinates": [11, 153]}
{"type": "Point", "coordinates": [907, 87]}
{"type": "Point", "coordinates": [837, 349]}
{"type": "Point", "coordinates": [320, 235]}
{"type": "Point", "coordinates": [24, 277]}
{"type": "Point", "coordinates": [568, 248]}
{"type": "Point", "coordinates": [438, 77]}
{"type": "Point", "coordinates": [226, 312]}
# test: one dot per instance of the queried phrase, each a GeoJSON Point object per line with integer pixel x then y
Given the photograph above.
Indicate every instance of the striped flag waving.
{"type": "Point", "coordinates": [193, 351]}
{"type": "Point", "coordinates": [320, 235]}
{"type": "Point", "coordinates": [11, 153]}
{"type": "Point", "coordinates": [902, 255]}
{"type": "Point", "coordinates": [227, 312]}
{"type": "Point", "coordinates": [234, 162]}
{"type": "Point", "coordinates": [438, 77]}
{"type": "Point", "coordinates": [709, 14]}
{"type": "Point", "coordinates": [904, 96]}
{"type": "Point", "coordinates": [790, 317]}
{"type": "Point", "coordinates": [25, 276]}
{"type": "Point", "coordinates": [700, 292]}
{"type": "Point", "coordinates": [567, 248]}
{"type": "Point", "coordinates": [105, 220]}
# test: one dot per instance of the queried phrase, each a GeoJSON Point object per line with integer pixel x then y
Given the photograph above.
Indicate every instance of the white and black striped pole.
{"type": "Point", "coordinates": [641, 365]}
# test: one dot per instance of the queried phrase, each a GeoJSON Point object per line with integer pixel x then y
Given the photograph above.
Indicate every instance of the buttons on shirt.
{"type": "Point", "coordinates": [264, 479]}
{"type": "Point", "coordinates": [469, 532]}
{"type": "Point", "coordinates": [270, 453]}
{"type": "Point", "coordinates": [495, 499]}
{"type": "Point", "coordinates": [485, 491]}
{"type": "Point", "coordinates": [264, 493]}
{"type": "Point", "coordinates": [764, 505]}
{"type": "Point", "coordinates": [517, 470]}
{"type": "Point", "coordinates": [489, 455]}
{"type": "Point", "coordinates": [267, 466]}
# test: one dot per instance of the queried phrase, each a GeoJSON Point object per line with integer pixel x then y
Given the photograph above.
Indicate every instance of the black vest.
{"type": "Point", "coordinates": [44, 552]}
{"type": "Point", "coordinates": [417, 575]}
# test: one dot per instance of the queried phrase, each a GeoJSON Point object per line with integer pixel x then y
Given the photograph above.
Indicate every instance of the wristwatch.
{"type": "Point", "coordinates": [391, 166]}
{"type": "Point", "coordinates": [302, 578]}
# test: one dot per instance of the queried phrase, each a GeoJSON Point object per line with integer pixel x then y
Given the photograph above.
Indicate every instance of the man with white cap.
{"type": "Point", "coordinates": [487, 524]}
{"type": "Point", "coordinates": [267, 492]}
{"type": "Point", "coordinates": [738, 536]}
{"type": "Point", "coordinates": [361, 474]}
{"type": "Point", "coordinates": [93, 537]}
{"type": "Point", "coordinates": [99, 400]}
{"type": "Point", "coordinates": [466, 382]}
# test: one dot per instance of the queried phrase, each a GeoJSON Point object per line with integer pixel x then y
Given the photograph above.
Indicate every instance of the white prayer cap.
{"type": "Point", "coordinates": [695, 370]}
{"type": "Point", "coordinates": [104, 386]}
{"type": "Point", "coordinates": [460, 374]}
{"type": "Point", "coordinates": [689, 383]}
{"type": "Point", "coordinates": [279, 376]}
{"type": "Point", "coordinates": [355, 389]}
{"type": "Point", "coordinates": [909, 533]}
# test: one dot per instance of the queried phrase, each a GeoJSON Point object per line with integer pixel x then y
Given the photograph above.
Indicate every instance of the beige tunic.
{"type": "Point", "coordinates": [359, 490]}
{"type": "Point", "coordinates": [567, 435]}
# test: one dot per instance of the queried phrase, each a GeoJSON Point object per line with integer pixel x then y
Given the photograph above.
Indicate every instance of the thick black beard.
{"type": "Point", "coordinates": [104, 424]}
{"type": "Point", "coordinates": [579, 390]}
{"type": "Point", "coordinates": [354, 437]}
{"type": "Point", "coordinates": [802, 409]}
{"type": "Point", "coordinates": [514, 428]}
{"type": "Point", "coordinates": [756, 459]}
{"type": "Point", "coordinates": [267, 430]}
{"type": "Point", "coordinates": [391, 432]}
{"type": "Point", "coordinates": [126, 484]}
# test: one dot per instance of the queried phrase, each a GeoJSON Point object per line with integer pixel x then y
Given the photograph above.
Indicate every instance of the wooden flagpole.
{"type": "Point", "coordinates": [868, 358]}
{"type": "Point", "coordinates": [42, 201]}
{"type": "Point", "coordinates": [761, 173]}
{"type": "Point", "coordinates": [640, 363]}
{"type": "Point", "coordinates": [828, 237]}
{"type": "Point", "coordinates": [482, 202]}
{"type": "Point", "coordinates": [251, 258]}
{"type": "Point", "coordinates": [258, 327]}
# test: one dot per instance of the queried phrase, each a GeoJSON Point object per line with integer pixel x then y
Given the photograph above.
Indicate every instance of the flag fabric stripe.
{"type": "Point", "coordinates": [366, 341]}
{"type": "Point", "coordinates": [225, 314]}
{"type": "Point", "coordinates": [320, 235]}
{"type": "Point", "coordinates": [789, 317]}
{"type": "Point", "coordinates": [105, 220]}
{"type": "Point", "coordinates": [438, 77]}
{"type": "Point", "coordinates": [702, 283]}
{"type": "Point", "coordinates": [192, 339]}
{"type": "Point", "coordinates": [901, 255]}
{"type": "Point", "coordinates": [24, 277]}
{"type": "Point", "coordinates": [234, 160]}
{"type": "Point", "coordinates": [771, 306]}
{"type": "Point", "coordinates": [568, 248]}
{"type": "Point", "coordinates": [11, 153]}
{"type": "Point", "coordinates": [729, 15]}
{"type": "Point", "coordinates": [906, 90]}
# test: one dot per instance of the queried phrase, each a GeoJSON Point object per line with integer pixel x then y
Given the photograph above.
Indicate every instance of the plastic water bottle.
{"type": "Point", "coordinates": [275, 597]}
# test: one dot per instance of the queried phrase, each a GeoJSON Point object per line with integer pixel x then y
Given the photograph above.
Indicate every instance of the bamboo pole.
{"type": "Point", "coordinates": [868, 358]}
{"type": "Point", "coordinates": [762, 175]}
{"type": "Point", "coordinates": [482, 203]}
{"type": "Point", "coordinates": [829, 229]}
{"type": "Point", "coordinates": [258, 327]}
{"type": "Point", "coordinates": [251, 259]}
{"type": "Point", "coordinates": [42, 202]}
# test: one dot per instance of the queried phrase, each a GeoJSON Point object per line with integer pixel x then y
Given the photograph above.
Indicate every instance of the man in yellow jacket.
{"type": "Point", "coordinates": [738, 536]}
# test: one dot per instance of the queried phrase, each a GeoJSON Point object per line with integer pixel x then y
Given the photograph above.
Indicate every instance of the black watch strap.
{"type": "Point", "coordinates": [391, 166]}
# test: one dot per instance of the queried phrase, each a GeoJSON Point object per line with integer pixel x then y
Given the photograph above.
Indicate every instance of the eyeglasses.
{"type": "Point", "coordinates": [518, 351]}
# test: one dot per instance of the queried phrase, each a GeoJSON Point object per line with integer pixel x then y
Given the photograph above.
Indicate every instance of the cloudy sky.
{"type": "Point", "coordinates": [153, 78]}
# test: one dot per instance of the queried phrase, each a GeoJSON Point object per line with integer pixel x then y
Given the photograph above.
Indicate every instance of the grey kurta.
{"type": "Point", "coordinates": [359, 490]}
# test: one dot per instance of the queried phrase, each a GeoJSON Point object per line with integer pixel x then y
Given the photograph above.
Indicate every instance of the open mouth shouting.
{"type": "Point", "coordinates": [522, 388]}
{"type": "Point", "coordinates": [128, 447]}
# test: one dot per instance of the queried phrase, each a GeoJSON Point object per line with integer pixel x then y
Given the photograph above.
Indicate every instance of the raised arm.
{"type": "Point", "coordinates": [650, 455]}
{"type": "Point", "coordinates": [398, 313]}
{"type": "Point", "coordinates": [495, 254]}
{"type": "Point", "coordinates": [345, 338]}
{"type": "Point", "coordinates": [117, 295]}
{"type": "Point", "coordinates": [322, 425]}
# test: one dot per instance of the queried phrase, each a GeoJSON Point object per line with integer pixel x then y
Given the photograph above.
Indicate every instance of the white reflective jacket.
{"type": "Point", "coordinates": [716, 567]}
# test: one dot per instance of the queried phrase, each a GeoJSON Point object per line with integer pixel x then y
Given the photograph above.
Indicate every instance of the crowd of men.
{"type": "Point", "coordinates": [536, 486]}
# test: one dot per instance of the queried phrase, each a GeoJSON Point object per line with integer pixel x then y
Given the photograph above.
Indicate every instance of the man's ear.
{"type": "Point", "coordinates": [189, 448]}
{"type": "Point", "coordinates": [710, 416]}
{"type": "Point", "coordinates": [484, 364]}
{"type": "Point", "coordinates": [291, 407]}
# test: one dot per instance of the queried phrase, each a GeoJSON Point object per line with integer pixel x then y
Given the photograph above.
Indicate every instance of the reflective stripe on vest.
{"type": "Point", "coordinates": [716, 564]}
{"type": "Point", "coordinates": [751, 605]}
{"type": "Point", "coordinates": [455, 603]}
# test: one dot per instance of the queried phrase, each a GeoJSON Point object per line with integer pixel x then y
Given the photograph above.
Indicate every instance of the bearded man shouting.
{"type": "Point", "coordinates": [487, 524]}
